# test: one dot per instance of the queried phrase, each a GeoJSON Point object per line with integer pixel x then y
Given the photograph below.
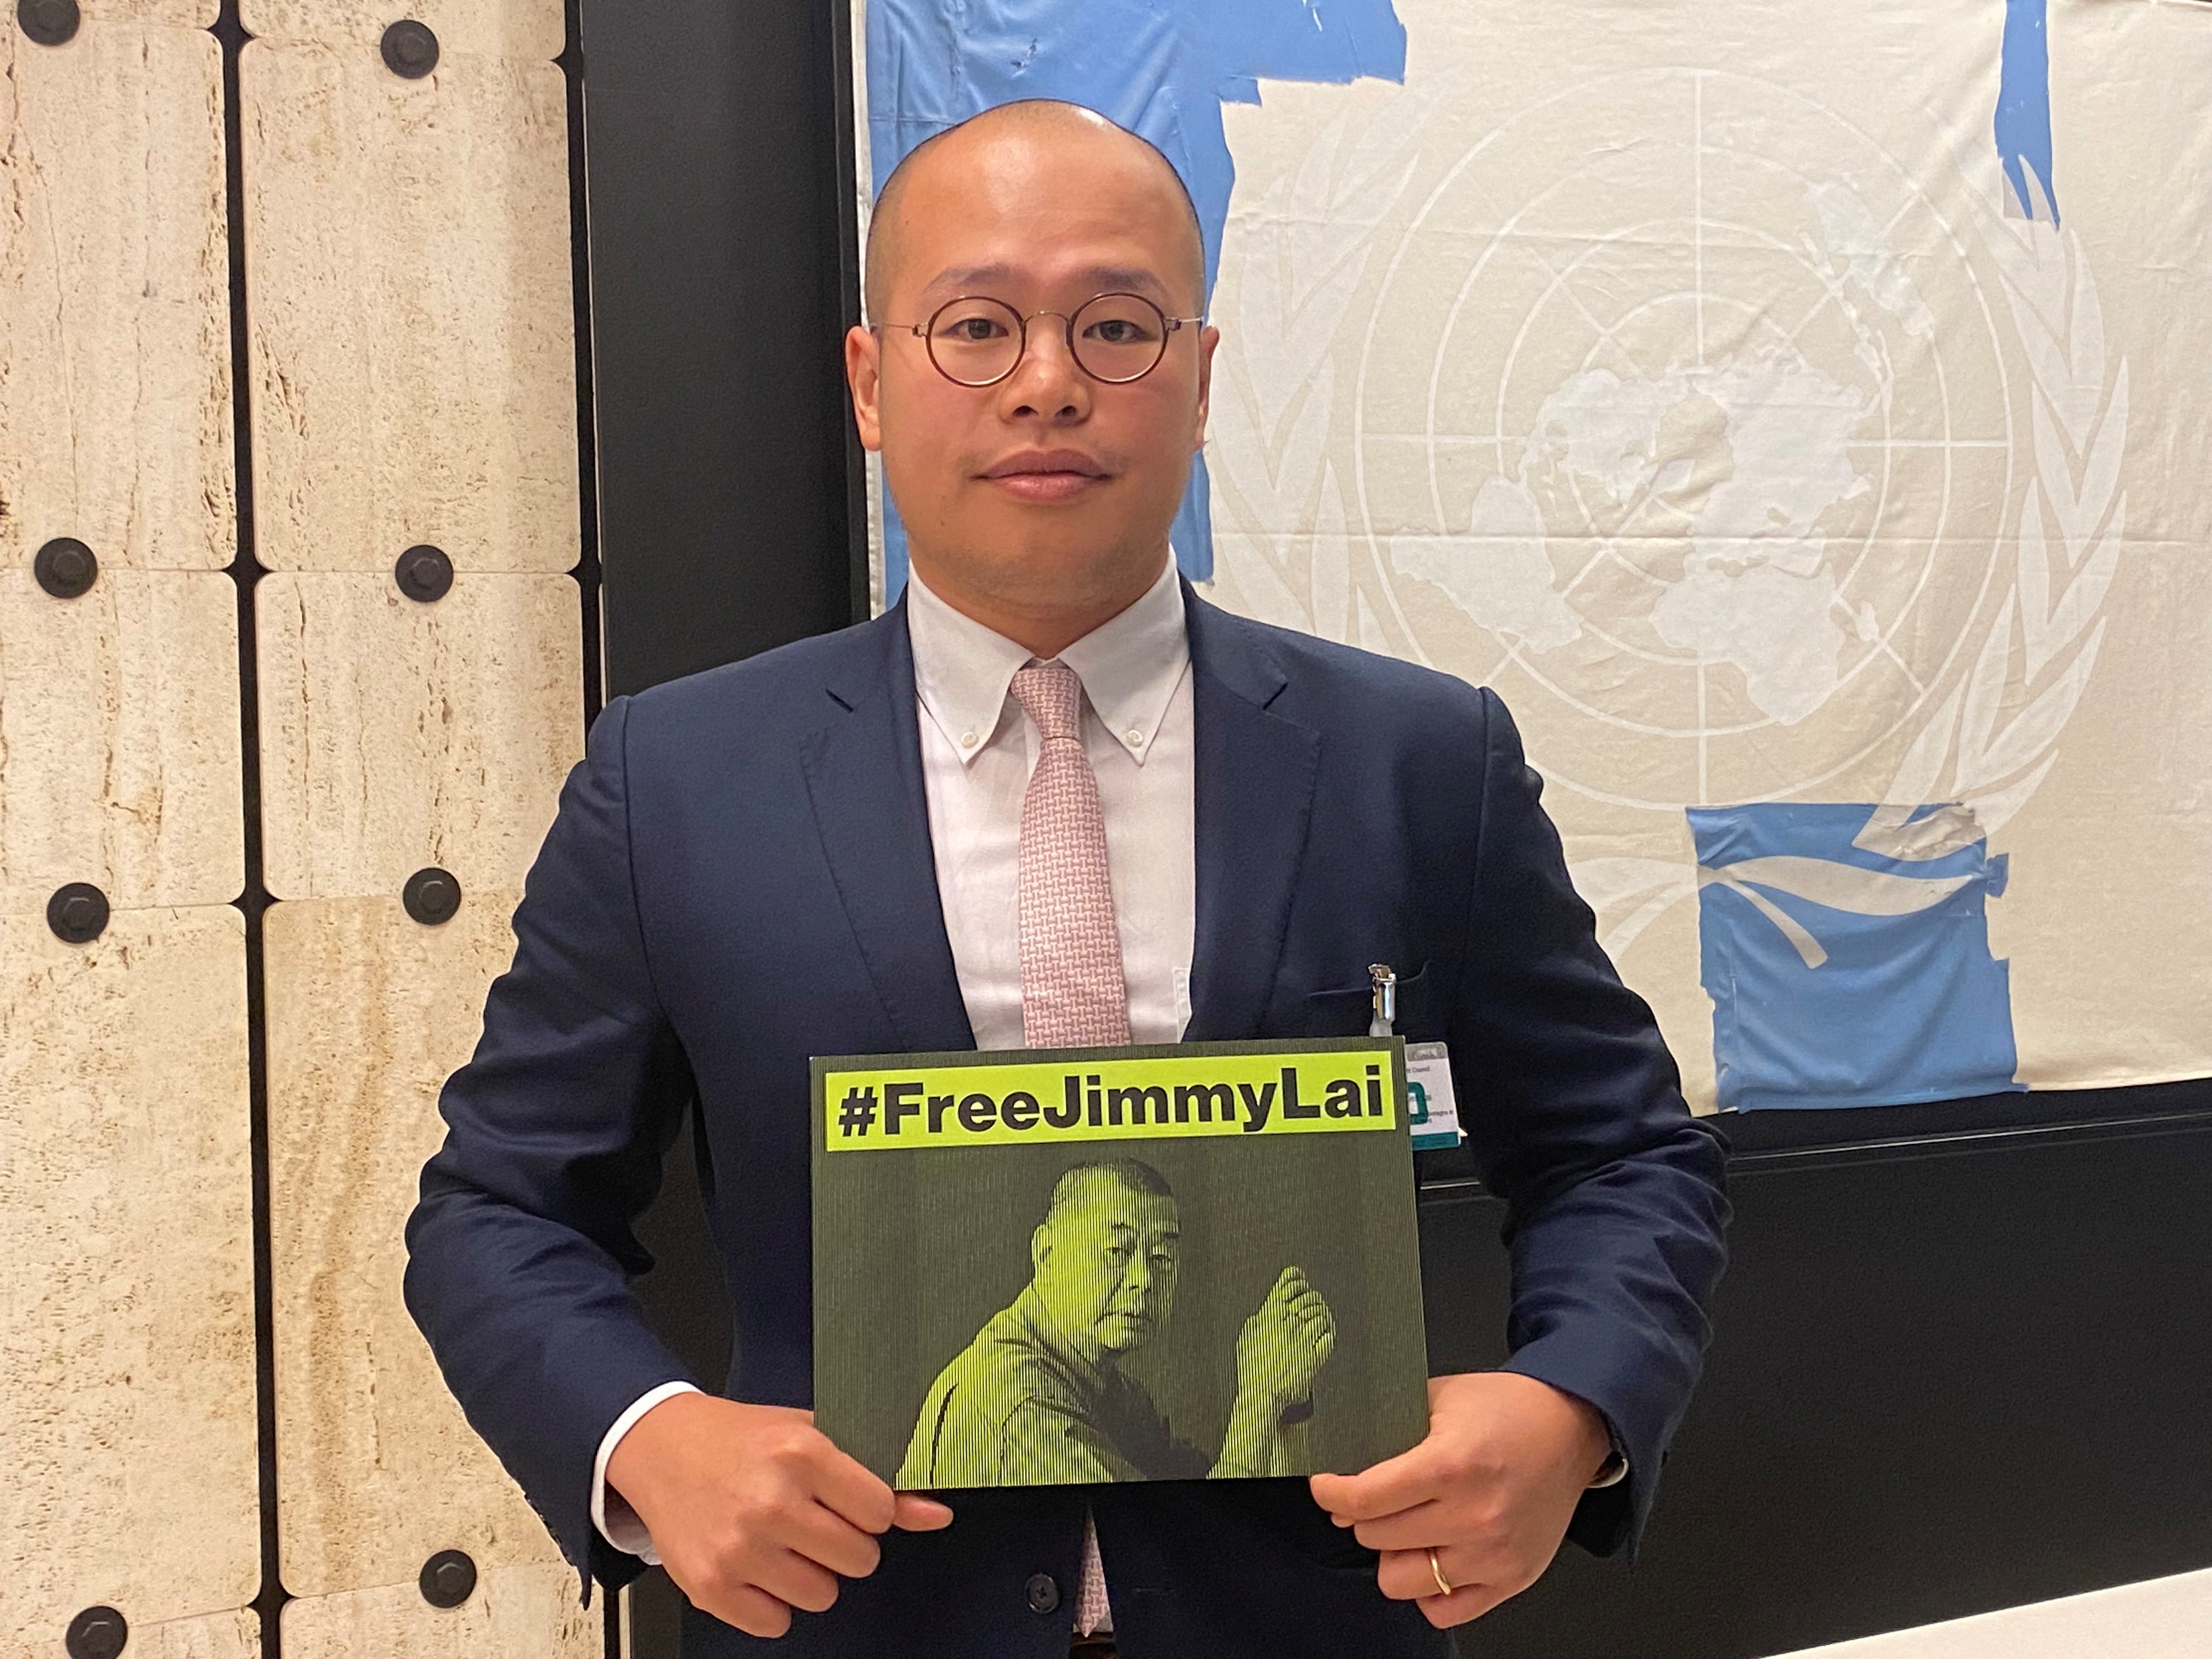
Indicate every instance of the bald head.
{"type": "Point", "coordinates": [1107, 1180]}
{"type": "Point", "coordinates": [1013, 146]}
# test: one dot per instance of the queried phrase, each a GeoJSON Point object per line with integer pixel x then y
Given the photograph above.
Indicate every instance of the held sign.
{"type": "Point", "coordinates": [919, 1102]}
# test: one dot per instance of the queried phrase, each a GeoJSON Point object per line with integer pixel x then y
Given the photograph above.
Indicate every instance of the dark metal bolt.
{"type": "Point", "coordinates": [65, 567]}
{"type": "Point", "coordinates": [78, 915]}
{"type": "Point", "coordinates": [448, 1579]}
{"type": "Point", "coordinates": [97, 1633]}
{"type": "Point", "coordinates": [410, 50]}
{"type": "Point", "coordinates": [50, 23]}
{"type": "Point", "coordinates": [431, 896]}
{"type": "Point", "coordinates": [424, 574]}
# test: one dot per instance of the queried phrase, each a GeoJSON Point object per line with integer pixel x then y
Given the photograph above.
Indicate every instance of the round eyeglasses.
{"type": "Point", "coordinates": [977, 341]}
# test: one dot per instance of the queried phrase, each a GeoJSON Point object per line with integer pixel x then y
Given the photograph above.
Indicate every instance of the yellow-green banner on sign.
{"type": "Point", "coordinates": [922, 1102]}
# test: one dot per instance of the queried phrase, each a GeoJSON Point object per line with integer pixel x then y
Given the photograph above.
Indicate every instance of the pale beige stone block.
{"type": "Point", "coordinates": [126, 1287]}
{"type": "Point", "coordinates": [396, 735]}
{"type": "Point", "coordinates": [499, 28]}
{"type": "Point", "coordinates": [212, 1636]}
{"type": "Point", "coordinates": [517, 1613]}
{"type": "Point", "coordinates": [413, 310]}
{"type": "Point", "coordinates": [180, 13]}
{"type": "Point", "coordinates": [115, 407]}
{"type": "Point", "coordinates": [119, 740]}
{"type": "Point", "coordinates": [369, 1011]}
{"type": "Point", "coordinates": [218, 1636]}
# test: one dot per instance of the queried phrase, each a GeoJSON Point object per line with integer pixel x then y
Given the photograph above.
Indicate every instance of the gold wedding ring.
{"type": "Point", "coordinates": [1443, 1585]}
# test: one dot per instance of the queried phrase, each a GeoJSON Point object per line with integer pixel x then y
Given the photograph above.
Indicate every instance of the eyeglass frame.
{"type": "Point", "coordinates": [1170, 327]}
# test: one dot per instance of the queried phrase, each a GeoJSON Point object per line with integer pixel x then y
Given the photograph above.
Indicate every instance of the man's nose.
{"type": "Point", "coordinates": [1046, 383]}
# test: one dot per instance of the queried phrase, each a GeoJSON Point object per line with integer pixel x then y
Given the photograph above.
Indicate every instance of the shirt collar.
{"type": "Point", "coordinates": [961, 669]}
{"type": "Point", "coordinates": [1130, 666]}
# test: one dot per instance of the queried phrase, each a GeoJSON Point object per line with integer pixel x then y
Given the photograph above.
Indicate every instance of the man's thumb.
{"type": "Point", "coordinates": [912, 1512]}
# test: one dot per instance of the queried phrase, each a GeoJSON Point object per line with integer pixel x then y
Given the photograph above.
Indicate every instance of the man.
{"type": "Point", "coordinates": [1053, 799]}
{"type": "Point", "coordinates": [1039, 1398]}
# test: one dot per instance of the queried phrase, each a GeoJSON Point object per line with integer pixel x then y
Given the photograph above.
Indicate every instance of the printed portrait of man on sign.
{"type": "Point", "coordinates": [1040, 1397]}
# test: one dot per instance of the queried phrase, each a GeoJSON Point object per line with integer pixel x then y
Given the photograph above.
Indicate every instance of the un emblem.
{"type": "Point", "coordinates": [1721, 454]}
{"type": "Point", "coordinates": [1768, 479]}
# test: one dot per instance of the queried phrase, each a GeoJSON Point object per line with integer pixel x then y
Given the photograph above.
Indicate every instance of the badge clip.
{"type": "Point", "coordinates": [1384, 978]}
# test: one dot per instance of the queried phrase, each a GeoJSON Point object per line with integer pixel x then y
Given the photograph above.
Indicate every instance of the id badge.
{"type": "Point", "coordinates": [1431, 1110]}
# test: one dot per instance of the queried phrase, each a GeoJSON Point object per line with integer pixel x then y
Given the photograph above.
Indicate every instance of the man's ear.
{"type": "Point", "coordinates": [1040, 1248]}
{"type": "Point", "coordinates": [1207, 340]}
{"type": "Point", "coordinates": [864, 374]}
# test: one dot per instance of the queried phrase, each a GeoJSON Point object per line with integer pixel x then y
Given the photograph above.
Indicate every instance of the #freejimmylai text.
{"type": "Point", "coordinates": [1352, 1084]}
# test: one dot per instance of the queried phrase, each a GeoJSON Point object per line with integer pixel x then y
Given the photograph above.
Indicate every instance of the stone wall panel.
{"type": "Point", "coordinates": [397, 736]}
{"type": "Point", "coordinates": [410, 291]}
{"type": "Point", "coordinates": [115, 396]}
{"type": "Point", "coordinates": [368, 1013]}
{"type": "Point", "coordinates": [126, 1289]}
{"type": "Point", "coordinates": [119, 733]}
{"type": "Point", "coordinates": [500, 28]}
{"type": "Point", "coordinates": [532, 1611]}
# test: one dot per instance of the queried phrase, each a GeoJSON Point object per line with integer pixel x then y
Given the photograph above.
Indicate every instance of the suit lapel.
{"type": "Point", "coordinates": [1254, 799]}
{"type": "Point", "coordinates": [863, 774]}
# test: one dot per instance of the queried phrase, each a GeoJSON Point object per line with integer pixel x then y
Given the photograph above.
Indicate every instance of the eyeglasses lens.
{"type": "Point", "coordinates": [1119, 337]}
{"type": "Point", "coordinates": [976, 340]}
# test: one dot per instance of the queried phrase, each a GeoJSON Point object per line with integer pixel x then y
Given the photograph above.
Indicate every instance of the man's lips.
{"type": "Point", "coordinates": [1047, 460]}
{"type": "Point", "coordinates": [1047, 475]}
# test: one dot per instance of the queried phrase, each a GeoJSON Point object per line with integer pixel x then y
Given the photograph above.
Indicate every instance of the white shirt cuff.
{"type": "Point", "coordinates": [618, 1522]}
{"type": "Point", "coordinates": [1612, 1471]}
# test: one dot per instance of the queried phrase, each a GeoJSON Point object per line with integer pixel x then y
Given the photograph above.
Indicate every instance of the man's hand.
{"type": "Point", "coordinates": [753, 1510]}
{"type": "Point", "coordinates": [1284, 1345]}
{"type": "Point", "coordinates": [1490, 1490]}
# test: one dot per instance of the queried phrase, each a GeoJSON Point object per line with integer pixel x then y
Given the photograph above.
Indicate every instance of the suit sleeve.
{"type": "Point", "coordinates": [1614, 1194]}
{"type": "Point", "coordinates": [521, 1248]}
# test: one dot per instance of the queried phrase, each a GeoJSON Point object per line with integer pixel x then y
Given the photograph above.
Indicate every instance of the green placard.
{"type": "Point", "coordinates": [1184, 1262]}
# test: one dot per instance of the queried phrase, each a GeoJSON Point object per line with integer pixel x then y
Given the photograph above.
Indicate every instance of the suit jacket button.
{"type": "Point", "coordinates": [1044, 1595]}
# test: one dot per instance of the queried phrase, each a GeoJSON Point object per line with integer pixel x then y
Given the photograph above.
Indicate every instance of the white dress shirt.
{"type": "Point", "coordinates": [978, 749]}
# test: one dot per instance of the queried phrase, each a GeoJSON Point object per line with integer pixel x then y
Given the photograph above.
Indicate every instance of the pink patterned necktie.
{"type": "Point", "coordinates": [1072, 993]}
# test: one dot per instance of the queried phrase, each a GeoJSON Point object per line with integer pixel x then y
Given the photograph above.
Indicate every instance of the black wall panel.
{"type": "Point", "coordinates": [717, 174]}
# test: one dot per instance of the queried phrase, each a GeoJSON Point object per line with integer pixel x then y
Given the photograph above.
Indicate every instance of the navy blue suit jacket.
{"type": "Point", "coordinates": [741, 877]}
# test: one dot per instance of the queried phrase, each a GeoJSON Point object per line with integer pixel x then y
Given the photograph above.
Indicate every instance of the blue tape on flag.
{"type": "Point", "coordinates": [1846, 949]}
{"type": "Point", "coordinates": [1161, 68]}
{"type": "Point", "coordinates": [2023, 119]}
